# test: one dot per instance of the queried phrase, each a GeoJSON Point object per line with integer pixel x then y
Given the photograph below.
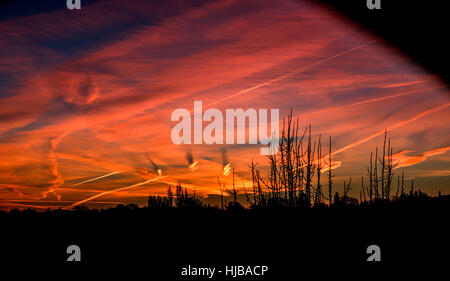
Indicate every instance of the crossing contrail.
{"type": "Point", "coordinates": [392, 127]}
{"type": "Point", "coordinates": [284, 76]}
{"type": "Point", "coordinates": [371, 100]}
{"type": "Point", "coordinates": [112, 191]}
{"type": "Point", "coordinates": [381, 132]}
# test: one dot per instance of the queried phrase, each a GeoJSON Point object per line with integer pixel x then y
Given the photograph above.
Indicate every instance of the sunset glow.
{"type": "Point", "coordinates": [86, 99]}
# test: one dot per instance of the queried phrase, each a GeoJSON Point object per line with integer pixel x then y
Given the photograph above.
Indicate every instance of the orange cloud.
{"type": "Point", "coordinates": [404, 160]}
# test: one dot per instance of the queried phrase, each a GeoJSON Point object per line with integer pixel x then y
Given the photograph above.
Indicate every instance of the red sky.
{"type": "Point", "coordinates": [89, 93]}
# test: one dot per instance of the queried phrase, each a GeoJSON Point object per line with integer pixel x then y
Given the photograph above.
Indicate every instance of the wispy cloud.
{"type": "Point", "coordinates": [404, 160]}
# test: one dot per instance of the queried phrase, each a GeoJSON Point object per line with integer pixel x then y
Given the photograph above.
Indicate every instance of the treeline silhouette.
{"type": "Point", "coordinates": [293, 208]}
{"type": "Point", "coordinates": [295, 179]}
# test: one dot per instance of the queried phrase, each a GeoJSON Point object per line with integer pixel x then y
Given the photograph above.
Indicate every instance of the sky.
{"type": "Point", "coordinates": [86, 96]}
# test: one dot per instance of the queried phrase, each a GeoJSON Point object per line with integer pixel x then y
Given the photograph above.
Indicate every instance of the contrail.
{"type": "Point", "coordinates": [57, 179]}
{"type": "Point", "coordinates": [284, 76]}
{"type": "Point", "coordinates": [371, 100]}
{"type": "Point", "coordinates": [25, 205]}
{"type": "Point", "coordinates": [392, 127]}
{"type": "Point", "coordinates": [112, 191]}
{"type": "Point", "coordinates": [97, 178]}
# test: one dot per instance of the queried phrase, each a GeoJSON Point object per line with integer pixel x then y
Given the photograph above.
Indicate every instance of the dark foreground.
{"type": "Point", "coordinates": [157, 244]}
